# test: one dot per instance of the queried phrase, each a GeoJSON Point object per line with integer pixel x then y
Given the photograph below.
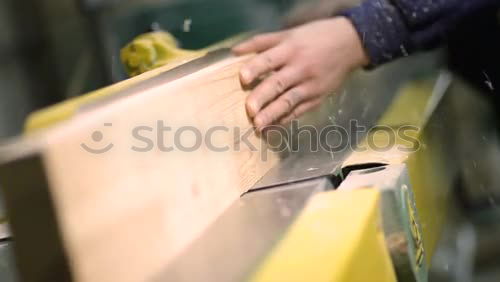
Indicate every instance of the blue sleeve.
{"type": "Point", "coordinates": [390, 29]}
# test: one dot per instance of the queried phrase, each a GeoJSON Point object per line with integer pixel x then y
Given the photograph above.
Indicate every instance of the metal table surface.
{"type": "Point", "coordinates": [363, 99]}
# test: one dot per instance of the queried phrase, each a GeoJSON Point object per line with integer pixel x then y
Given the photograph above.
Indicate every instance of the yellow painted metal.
{"type": "Point", "coordinates": [432, 189]}
{"type": "Point", "coordinates": [431, 185]}
{"type": "Point", "coordinates": [337, 237]}
{"type": "Point", "coordinates": [427, 168]}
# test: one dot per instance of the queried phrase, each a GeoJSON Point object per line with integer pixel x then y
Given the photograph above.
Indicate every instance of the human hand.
{"type": "Point", "coordinates": [300, 67]}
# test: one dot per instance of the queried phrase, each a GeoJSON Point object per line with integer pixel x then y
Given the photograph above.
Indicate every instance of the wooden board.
{"type": "Point", "coordinates": [123, 215]}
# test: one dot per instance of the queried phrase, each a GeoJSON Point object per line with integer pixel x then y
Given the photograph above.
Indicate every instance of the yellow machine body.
{"type": "Point", "coordinates": [338, 236]}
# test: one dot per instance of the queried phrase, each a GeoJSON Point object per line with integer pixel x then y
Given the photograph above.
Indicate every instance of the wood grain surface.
{"type": "Point", "coordinates": [125, 213]}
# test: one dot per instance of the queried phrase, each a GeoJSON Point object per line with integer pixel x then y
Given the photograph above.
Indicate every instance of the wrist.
{"type": "Point", "coordinates": [359, 55]}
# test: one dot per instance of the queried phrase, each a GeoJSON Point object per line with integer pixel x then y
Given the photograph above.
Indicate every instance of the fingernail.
{"type": "Point", "coordinates": [252, 109]}
{"type": "Point", "coordinates": [260, 123]}
{"type": "Point", "coordinates": [260, 129]}
{"type": "Point", "coordinates": [284, 122]}
{"type": "Point", "coordinates": [246, 76]}
{"type": "Point", "coordinates": [236, 49]}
